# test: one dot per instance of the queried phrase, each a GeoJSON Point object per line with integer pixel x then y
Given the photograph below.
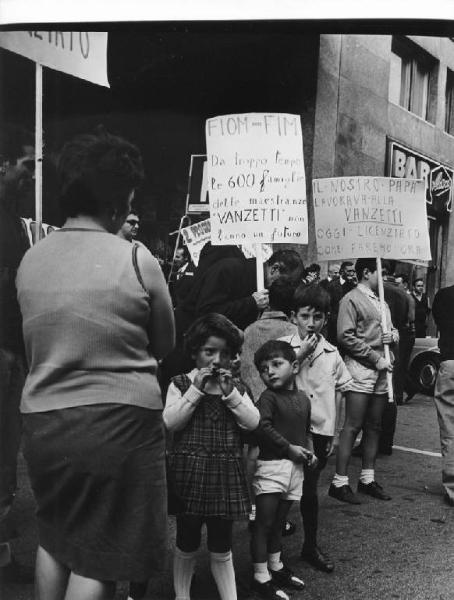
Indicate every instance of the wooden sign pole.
{"type": "Point", "coordinates": [384, 325]}
{"type": "Point", "coordinates": [39, 151]}
{"type": "Point", "coordinates": [259, 267]}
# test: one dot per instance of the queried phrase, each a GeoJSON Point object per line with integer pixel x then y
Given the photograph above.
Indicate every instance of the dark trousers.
{"type": "Point", "coordinates": [309, 499]}
{"type": "Point", "coordinates": [401, 382]}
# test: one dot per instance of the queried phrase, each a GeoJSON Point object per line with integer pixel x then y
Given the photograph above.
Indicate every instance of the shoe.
{"type": "Point", "coordinates": [315, 557]}
{"type": "Point", "coordinates": [288, 529]}
{"type": "Point", "coordinates": [14, 572]}
{"type": "Point", "coordinates": [343, 493]}
{"type": "Point", "coordinates": [269, 590]}
{"type": "Point", "coordinates": [373, 489]}
{"type": "Point", "coordinates": [357, 450]}
{"type": "Point", "coordinates": [287, 578]}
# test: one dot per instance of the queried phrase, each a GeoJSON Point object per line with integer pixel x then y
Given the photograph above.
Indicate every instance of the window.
{"type": "Point", "coordinates": [411, 76]}
{"type": "Point", "coordinates": [449, 115]}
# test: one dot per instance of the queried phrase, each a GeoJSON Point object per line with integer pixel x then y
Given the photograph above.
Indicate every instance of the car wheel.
{"type": "Point", "coordinates": [424, 372]}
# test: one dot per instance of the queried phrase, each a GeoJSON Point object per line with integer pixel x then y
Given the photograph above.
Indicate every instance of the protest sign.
{"type": "Point", "coordinates": [256, 180]}
{"type": "Point", "coordinates": [197, 235]}
{"type": "Point", "coordinates": [79, 53]}
{"type": "Point", "coordinates": [369, 217]}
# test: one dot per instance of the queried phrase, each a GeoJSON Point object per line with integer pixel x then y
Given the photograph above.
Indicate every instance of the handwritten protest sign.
{"type": "Point", "coordinates": [79, 53]}
{"type": "Point", "coordinates": [197, 235]}
{"type": "Point", "coordinates": [369, 217]}
{"type": "Point", "coordinates": [256, 180]}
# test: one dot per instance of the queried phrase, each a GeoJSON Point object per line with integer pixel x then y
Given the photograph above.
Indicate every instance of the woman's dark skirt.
{"type": "Point", "coordinates": [98, 475]}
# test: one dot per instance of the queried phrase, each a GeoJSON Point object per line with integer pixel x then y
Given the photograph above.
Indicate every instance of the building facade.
{"type": "Point", "coordinates": [384, 106]}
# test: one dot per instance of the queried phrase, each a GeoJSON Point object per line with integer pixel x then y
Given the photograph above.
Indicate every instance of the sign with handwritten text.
{"type": "Point", "coordinates": [79, 53]}
{"type": "Point", "coordinates": [256, 180]}
{"type": "Point", "coordinates": [369, 217]}
{"type": "Point", "coordinates": [197, 235]}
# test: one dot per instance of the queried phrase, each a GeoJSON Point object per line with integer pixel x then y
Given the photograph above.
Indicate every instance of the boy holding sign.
{"type": "Point", "coordinates": [361, 337]}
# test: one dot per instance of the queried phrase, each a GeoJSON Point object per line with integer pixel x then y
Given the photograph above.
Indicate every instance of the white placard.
{"type": "Point", "coordinates": [369, 217]}
{"type": "Point", "coordinates": [79, 53]}
{"type": "Point", "coordinates": [256, 180]}
{"type": "Point", "coordinates": [196, 236]}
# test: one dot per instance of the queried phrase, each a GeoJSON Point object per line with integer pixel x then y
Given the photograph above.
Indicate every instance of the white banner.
{"type": "Point", "coordinates": [196, 236]}
{"type": "Point", "coordinates": [369, 217]}
{"type": "Point", "coordinates": [79, 53]}
{"type": "Point", "coordinates": [256, 180]}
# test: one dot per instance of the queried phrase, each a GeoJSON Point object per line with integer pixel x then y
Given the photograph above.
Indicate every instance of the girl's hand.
{"type": "Point", "coordinates": [226, 381]}
{"type": "Point", "coordinates": [387, 338]}
{"type": "Point", "coordinates": [200, 380]}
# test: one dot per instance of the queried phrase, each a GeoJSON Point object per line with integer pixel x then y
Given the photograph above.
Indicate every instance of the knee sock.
{"type": "Point", "coordinates": [221, 564]}
{"type": "Point", "coordinates": [261, 573]}
{"type": "Point", "coordinates": [367, 476]}
{"type": "Point", "coordinates": [309, 513]}
{"type": "Point", "coordinates": [274, 561]}
{"type": "Point", "coordinates": [340, 480]}
{"type": "Point", "coordinates": [183, 570]}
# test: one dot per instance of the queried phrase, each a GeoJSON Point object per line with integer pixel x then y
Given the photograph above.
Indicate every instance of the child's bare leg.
{"type": "Point", "coordinates": [266, 510]}
{"type": "Point", "coordinates": [275, 535]}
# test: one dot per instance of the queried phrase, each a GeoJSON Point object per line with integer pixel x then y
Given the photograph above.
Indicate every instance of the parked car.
{"type": "Point", "coordinates": [424, 364]}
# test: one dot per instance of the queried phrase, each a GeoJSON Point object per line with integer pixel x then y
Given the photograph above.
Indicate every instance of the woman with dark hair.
{"type": "Point", "coordinates": [96, 317]}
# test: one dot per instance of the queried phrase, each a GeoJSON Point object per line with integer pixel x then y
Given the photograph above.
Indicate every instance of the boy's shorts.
{"type": "Point", "coordinates": [366, 380]}
{"type": "Point", "coordinates": [279, 477]}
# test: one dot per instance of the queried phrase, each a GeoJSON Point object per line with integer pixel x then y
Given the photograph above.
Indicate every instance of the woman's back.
{"type": "Point", "coordinates": [85, 318]}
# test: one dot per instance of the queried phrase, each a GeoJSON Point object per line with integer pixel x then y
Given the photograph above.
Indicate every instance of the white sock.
{"type": "Point", "coordinates": [340, 480]}
{"type": "Point", "coordinates": [261, 573]}
{"type": "Point", "coordinates": [221, 564]}
{"type": "Point", "coordinates": [367, 476]}
{"type": "Point", "coordinates": [274, 561]}
{"type": "Point", "coordinates": [252, 513]}
{"type": "Point", "coordinates": [183, 570]}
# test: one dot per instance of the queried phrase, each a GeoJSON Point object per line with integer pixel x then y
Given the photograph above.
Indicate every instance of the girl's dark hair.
{"type": "Point", "coordinates": [97, 172]}
{"type": "Point", "coordinates": [274, 349]}
{"type": "Point", "coordinates": [213, 324]}
{"type": "Point", "coordinates": [314, 296]}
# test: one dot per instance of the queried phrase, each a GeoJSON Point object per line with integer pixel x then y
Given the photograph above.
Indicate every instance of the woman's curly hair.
{"type": "Point", "coordinates": [97, 173]}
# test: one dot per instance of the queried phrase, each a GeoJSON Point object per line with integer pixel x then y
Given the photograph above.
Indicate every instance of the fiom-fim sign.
{"type": "Point", "coordinates": [256, 179]}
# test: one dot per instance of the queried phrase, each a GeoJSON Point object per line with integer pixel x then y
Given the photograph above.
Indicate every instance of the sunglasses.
{"type": "Point", "coordinates": [132, 223]}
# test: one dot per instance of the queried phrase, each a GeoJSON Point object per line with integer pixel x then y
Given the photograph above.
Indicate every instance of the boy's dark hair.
{"type": "Point", "coordinates": [314, 296]}
{"type": "Point", "coordinates": [97, 173]}
{"type": "Point", "coordinates": [415, 281]}
{"type": "Point", "coordinates": [281, 294]}
{"type": "Point", "coordinates": [365, 263]}
{"type": "Point", "coordinates": [274, 349]}
{"type": "Point", "coordinates": [213, 324]}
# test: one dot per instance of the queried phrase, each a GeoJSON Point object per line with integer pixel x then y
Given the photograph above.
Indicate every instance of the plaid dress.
{"type": "Point", "coordinates": [206, 461]}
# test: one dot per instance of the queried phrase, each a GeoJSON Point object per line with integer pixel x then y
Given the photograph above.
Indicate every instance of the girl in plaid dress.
{"type": "Point", "coordinates": [206, 409]}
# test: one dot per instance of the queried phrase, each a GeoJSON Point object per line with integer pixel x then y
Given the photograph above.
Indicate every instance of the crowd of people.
{"type": "Point", "coordinates": [200, 396]}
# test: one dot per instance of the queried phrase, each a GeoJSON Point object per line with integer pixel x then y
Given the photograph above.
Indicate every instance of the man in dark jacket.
{"type": "Point", "coordinates": [16, 182]}
{"type": "Point", "coordinates": [444, 388]}
{"type": "Point", "coordinates": [399, 306]}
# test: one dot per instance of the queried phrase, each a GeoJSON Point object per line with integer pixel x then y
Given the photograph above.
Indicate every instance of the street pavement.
{"type": "Point", "coordinates": [402, 549]}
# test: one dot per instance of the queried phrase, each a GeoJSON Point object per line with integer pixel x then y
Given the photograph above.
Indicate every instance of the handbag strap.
{"type": "Point", "coordinates": [137, 270]}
